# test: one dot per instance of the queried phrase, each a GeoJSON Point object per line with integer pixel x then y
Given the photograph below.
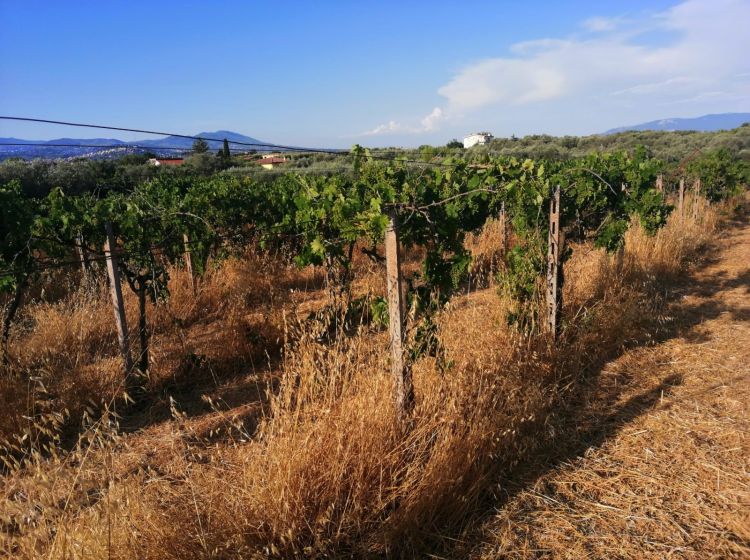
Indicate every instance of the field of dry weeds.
{"type": "Point", "coordinates": [259, 437]}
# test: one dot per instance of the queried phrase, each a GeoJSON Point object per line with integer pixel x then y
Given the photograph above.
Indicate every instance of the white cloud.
{"type": "Point", "coordinates": [723, 96]}
{"type": "Point", "coordinates": [670, 85]}
{"type": "Point", "coordinates": [507, 80]}
{"type": "Point", "coordinates": [538, 45]}
{"type": "Point", "coordinates": [427, 124]}
{"type": "Point", "coordinates": [431, 121]}
{"type": "Point", "coordinates": [599, 24]}
{"type": "Point", "coordinates": [708, 49]}
{"type": "Point", "coordinates": [685, 54]}
{"type": "Point", "coordinates": [389, 127]}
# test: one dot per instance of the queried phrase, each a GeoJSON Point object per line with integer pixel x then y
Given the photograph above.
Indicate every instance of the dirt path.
{"type": "Point", "coordinates": [672, 477]}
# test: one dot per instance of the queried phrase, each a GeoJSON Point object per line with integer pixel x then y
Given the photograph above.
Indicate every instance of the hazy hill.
{"type": "Point", "coordinates": [706, 123]}
{"type": "Point", "coordinates": [47, 149]}
{"type": "Point", "coordinates": [187, 143]}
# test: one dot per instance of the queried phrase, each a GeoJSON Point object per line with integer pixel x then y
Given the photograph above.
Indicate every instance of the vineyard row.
{"type": "Point", "coordinates": [546, 204]}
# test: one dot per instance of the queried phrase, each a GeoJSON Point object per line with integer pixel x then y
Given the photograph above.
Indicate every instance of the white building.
{"type": "Point", "coordinates": [477, 138]}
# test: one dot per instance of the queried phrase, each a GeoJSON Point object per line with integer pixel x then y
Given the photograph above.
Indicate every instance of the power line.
{"type": "Point", "coordinates": [236, 142]}
{"type": "Point", "coordinates": [159, 133]}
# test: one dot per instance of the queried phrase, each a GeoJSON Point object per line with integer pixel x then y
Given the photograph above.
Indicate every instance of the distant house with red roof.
{"type": "Point", "coordinates": [166, 161]}
{"type": "Point", "coordinates": [269, 162]}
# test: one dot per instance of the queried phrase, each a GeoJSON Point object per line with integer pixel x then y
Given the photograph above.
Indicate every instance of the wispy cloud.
{"type": "Point", "coordinates": [599, 24]}
{"type": "Point", "coordinates": [671, 85]}
{"type": "Point", "coordinates": [709, 48]}
{"type": "Point", "coordinates": [432, 121]}
{"type": "Point", "coordinates": [689, 52]}
{"type": "Point", "coordinates": [428, 123]}
{"type": "Point", "coordinates": [389, 127]}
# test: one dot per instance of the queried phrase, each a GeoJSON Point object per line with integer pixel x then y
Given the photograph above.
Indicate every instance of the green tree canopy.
{"type": "Point", "coordinates": [200, 146]}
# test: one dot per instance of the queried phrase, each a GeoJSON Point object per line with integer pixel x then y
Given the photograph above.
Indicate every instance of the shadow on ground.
{"type": "Point", "coordinates": [593, 410]}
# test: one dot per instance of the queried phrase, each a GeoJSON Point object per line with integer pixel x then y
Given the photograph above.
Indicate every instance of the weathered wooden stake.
{"type": "Point", "coordinates": [696, 197]}
{"type": "Point", "coordinates": [118, 304]}
{"type": "Point", "coordinates": [659, 183]}
{"type": "Point", "coordinates": [81, 250]}
{"type": "Point", "coordinates": [403, 396]}
{"type": "Point", "coordinates": [503, 230]}
{"type": "Point", "coordinates": [188, 259]}
{"type": "Point", "coordinates": [554, 274]}
{"type": "Point", "coordinates": [681, 199]}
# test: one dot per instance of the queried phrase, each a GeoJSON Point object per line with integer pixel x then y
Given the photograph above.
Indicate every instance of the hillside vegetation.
{"type": "Point", "coordinates": [75, 176]}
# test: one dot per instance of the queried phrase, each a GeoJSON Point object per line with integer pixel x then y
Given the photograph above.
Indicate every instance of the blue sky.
{"type": "Point", "coordinates": [328, 73]}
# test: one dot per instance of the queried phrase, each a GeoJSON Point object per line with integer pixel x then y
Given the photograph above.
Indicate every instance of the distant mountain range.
{"type": "Point", "coordinates": [111, 148]}
{"type": "Point", "coordinates": [220, 135]}
{"type": "Point", "coordinates": [108, 148]}
{"type": "Point", "coordinates": [706, 123]}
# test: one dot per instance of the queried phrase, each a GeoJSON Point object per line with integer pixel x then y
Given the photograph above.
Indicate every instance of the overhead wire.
{"type": "Point", "coordinates": [46, 266]}
{"type": "Point", "coordinates": [285, 147]}
{"type": "Point", "coordinates": [137, 146]}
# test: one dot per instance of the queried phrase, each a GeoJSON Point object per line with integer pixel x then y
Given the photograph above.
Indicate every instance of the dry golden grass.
{"type": "Point", "coordinates": [321, 469]}
{"type": "Point", "coordinates": [657, 466]}
{"type": "Point", "coordinates": [487, 248]}
{"type": "Point", "coordinates": [64, 353]}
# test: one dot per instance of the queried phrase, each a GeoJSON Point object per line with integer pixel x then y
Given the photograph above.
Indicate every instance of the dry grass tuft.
{"type": "Point", "coordinates": [486, 247]}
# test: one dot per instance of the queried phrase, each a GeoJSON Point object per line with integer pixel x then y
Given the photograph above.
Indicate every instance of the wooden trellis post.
{"type": "Point", "coordinates": [681, 199]}
{"type": "Point", "coordinates": [188, 259]}
{"type": "Point", "coordinates": [118, 304]}
{"type": "Point", "coordinates": [554, 272]}
{"type": "Point", "coordinates": [403, 395]}
{"type": "Point", "coordinates": [81, 250]}
{"type": "Point", "coordinates": [696, 197]}
{"type": "Point", "coordinates": [660, 183]}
